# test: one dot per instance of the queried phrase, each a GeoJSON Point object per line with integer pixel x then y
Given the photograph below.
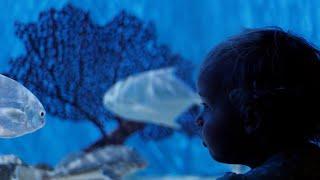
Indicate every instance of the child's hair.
{"type": "Point", "coordinates": [279, 69]}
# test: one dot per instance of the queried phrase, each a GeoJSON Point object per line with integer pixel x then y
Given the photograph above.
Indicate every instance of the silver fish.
{"type": "Point", "coordinates": [20, 111]}
{"type": "Point", "coordinates": [155, 96]}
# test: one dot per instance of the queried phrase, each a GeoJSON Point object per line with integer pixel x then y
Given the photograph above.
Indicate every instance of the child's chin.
{"type": "Point", "coordinates": [214, 155]}
{"type": "Point", "coordinates": [219, 157]}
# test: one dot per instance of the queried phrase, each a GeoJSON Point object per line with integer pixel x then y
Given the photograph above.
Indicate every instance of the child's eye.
{"type": "Point", "coordinates": [203, 107]}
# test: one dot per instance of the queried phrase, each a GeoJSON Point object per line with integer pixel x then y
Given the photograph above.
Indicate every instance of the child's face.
{"type": "Point", "coordinates": [222, 128]}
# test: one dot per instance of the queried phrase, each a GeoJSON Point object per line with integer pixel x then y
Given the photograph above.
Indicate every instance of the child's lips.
{"type": "Point", "coordinates": [204, 144]}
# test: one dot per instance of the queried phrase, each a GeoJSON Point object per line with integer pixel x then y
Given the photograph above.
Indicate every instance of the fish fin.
{"type": "Point", "coordinates": [12, 113]}
{"type": "Point", "coordinates": [170, 124]}
{"type": "Point", "coordinates": [5, 103]}
{"type": "Point", "coordinates": [176, 125]}
{"type": "Point", "coordinates": [168, 70]}
{"type": "Point", "coordinates": [143, 109]}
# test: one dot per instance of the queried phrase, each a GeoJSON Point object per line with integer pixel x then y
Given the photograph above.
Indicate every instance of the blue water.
{"type": "Point", "coordinates": [188, 27]}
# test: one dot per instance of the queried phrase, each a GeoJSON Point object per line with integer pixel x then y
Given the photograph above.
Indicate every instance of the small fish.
{"type": "Point", "coordinates": [20, 111]}
{"type": "Point", "coordinates": [155, 96]}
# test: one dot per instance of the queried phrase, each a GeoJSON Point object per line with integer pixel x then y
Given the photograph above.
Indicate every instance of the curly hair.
{"type": "Point", "coordinates": [277, 68]}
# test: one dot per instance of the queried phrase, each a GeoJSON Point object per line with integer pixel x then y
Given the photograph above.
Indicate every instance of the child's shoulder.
{"type": "Point", "coordinates": [302, 163]}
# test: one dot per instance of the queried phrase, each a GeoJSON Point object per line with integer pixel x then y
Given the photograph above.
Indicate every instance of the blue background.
{"type": "Point", "coordinates": [189, 27]}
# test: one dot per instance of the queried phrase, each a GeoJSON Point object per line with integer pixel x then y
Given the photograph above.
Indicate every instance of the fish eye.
{"type": "Point", "coordinates": [42, 114]}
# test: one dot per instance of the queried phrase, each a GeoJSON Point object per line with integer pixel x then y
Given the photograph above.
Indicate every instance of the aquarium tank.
{"type": "Point", "coordinates": [69, 53]}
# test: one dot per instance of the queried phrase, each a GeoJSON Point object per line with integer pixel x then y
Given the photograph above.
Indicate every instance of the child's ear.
{"type": "Point", "coordinates": [246, 105]}
{"type": "Point", "coordinates": [252, 120]}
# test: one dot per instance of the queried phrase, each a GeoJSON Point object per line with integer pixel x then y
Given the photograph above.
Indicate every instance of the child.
{"type": "Point", "coordinates": [261, 94]}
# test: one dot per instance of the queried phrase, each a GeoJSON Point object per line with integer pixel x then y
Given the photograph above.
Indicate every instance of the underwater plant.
{"type": "Point", "coordinates": [70, 62]}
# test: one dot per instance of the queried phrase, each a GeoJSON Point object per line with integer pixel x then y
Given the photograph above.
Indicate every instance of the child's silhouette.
{"type": "Point", "coordinates": [261, 95]}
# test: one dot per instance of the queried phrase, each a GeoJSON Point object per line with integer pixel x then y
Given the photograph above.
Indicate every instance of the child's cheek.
{"type": "Point", "coordinates": [214, 128]}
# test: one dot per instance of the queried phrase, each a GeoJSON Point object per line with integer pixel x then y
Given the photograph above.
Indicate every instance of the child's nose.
{"type": "Point", "coordinates": [199, 121]}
